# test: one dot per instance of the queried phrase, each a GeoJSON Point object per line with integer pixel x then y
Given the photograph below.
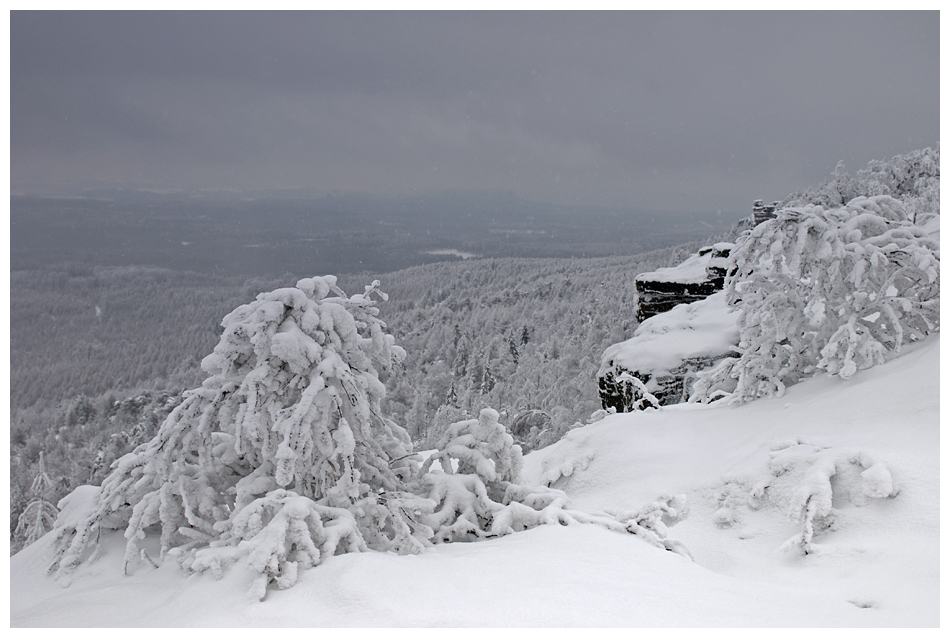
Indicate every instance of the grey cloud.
{"type": "Point", "coordinates": [619, 108]}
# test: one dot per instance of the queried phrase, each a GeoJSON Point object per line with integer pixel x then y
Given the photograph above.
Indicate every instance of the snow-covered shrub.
{"type": "Point", "coordinates": [652, 521]}
{"type": "Point", "coordinates": [38, 517]}
{"type": "Point", "coordinates": [836, 290]}
{"type": "Point", "coordinates": [479, 461]}
{"type": "Point", "coordinates": [479, 493]}
{"type": "Point", "coordinates": [535, 429]}
{"type": "Point", "coordinates": [811, 505]}
{"type": "Point", "coordinates": [282, 457]}
{"type": "Point", "coordinates": [537, 439]}
{"type": "Point", "coordinates": [810, 483]}
{"type": "Point", "coordinates": [527, 420]}
{"type": "Point", "coordinates": [624, 392]}
{"type": "Point", "coordinates": [280, 534]}
{"type": "Point", "coordinates": [638, 397]}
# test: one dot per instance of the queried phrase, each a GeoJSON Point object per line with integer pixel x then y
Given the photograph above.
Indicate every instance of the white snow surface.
{"type": "Point", "coordinates": [662, 342]}
{"type": "Point", "coordinates": [691, 271]}
{"type": "Point", "coordinates": [742, 469]}
{"type": "Point", "coordinates": [931, 224]}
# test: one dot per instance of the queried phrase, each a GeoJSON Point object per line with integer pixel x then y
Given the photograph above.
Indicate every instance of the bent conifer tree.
{"type": "Point", "coordinates": [283, 446]}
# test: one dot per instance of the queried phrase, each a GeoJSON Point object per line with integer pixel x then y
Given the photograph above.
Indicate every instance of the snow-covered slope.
{"type": "Point", "coordinates": [742, 470]}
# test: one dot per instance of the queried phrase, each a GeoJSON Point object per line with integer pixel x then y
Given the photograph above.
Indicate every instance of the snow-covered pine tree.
{"type": "Point", "coordinates": [838, 290]}
{"type": "Point", "coordinates": [38, 517]}
{"type": "Point", "coordinates": [282, 457]}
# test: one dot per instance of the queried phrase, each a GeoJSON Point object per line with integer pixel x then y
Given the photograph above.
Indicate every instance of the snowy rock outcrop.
{"type": "Point", "coordinates": [835, 280]}
{"type": "Point", "coordinates": [665, 353]}
{"type": "Point", "coordinates": [763, 212]}
{"type": "Point", "coordinates": [696, 278]}
{"type": "Point", "coordinates": [656, 367]}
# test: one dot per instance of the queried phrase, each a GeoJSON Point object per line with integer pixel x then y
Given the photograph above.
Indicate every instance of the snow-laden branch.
{"type": "Point", "coordinates": [838, 290]}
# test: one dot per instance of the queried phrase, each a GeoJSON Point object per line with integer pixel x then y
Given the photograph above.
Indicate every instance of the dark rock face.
{"type": "Point", "coordinates": [718, 264]}
{"type": "Point", "coordinates": [762, 212]}
{"type": "Point", "coordinates": [668, 386]}
{"type": "Point", "coordinates": [656, 295]}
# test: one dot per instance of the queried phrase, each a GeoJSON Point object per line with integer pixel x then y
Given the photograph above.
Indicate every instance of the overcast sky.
{"type": "Point", "coordinates": [687, 111]}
